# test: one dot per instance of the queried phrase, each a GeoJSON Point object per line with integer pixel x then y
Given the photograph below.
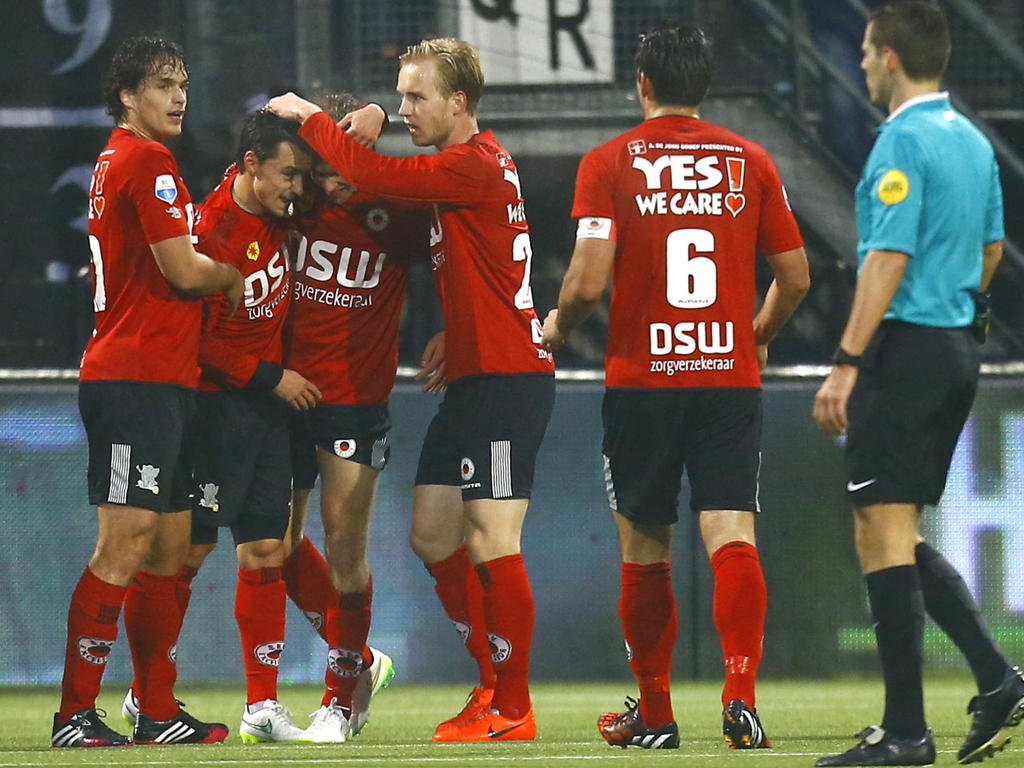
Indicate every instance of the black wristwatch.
{"type": "Point", "coordinates": [842, 357]}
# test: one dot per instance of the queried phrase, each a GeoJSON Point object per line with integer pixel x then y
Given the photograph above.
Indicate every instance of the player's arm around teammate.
{"type": "Point", "coordinates": [138, 377]}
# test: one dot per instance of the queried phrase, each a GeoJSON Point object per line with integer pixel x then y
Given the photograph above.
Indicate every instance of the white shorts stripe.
{"type": "Point", "coordinates": [120, 467]}
{"type": "Point", "coordinates": [609, 486]}
{"type": "Point", "coordinates": [501, 469]}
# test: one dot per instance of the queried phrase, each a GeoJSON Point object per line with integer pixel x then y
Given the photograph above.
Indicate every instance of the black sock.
{"type": "Point", "coordinates": [897, 607]}
{"type": "Point", "coordinates": [951, 605]}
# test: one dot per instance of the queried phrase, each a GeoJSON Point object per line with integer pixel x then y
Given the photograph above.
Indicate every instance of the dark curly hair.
{"type": "Point", "coordinates": [677, 59]}
{"type": "Point", "coordinates": [134, 60]}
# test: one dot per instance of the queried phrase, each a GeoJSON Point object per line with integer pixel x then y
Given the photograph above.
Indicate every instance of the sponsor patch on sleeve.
{"type": "Point", "coordinates": [893, 187]}
{"type": "Point", "coordinates": [165, 189]}
{"type": "Point", "coordinates": [594, 226]}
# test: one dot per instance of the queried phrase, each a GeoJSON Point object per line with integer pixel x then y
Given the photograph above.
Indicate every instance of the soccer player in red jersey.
{"type": "Point", "coordinates": [675, 209]}
{"type": "Point", "coordinates": [138, 376]}
{"type": "Point", "coordinates": [241, 450]}
{"type": "Point", "coordinates": [476, 467]}
{"type": "Point", "coordinates": [350, 267]}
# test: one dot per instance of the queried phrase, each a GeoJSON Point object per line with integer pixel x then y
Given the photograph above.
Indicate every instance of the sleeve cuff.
{"type": "Point", "coordinates": [268, 375]}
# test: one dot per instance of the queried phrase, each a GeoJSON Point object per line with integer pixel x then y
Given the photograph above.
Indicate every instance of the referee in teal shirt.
{"type": "Point", "coordinates": [930, 222]}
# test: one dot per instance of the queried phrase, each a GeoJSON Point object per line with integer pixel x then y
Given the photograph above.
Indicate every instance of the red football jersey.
{"type": "Point", "coordinates": [145, 330]}
{"type": "Point", "coordinates": [687, 204]}
{"type": "Point", "coordinates": [232, 345]}
{"type": "Point", "coordinates": [479, 242]}
{"type": "Point", "coordinates": [349, 274]}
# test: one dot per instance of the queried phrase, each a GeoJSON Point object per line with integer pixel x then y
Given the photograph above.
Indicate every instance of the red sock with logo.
{"type": "Point", "coordinates": [183, 594]}
{"type": "Point", "coordinates": [152, 621]}
{"type": "Point", "coordinates": [508, 606]}
{"type": "Point", "coordinates": [348, 625]}
{"type": "Point", "coordinates": [740, 605]}
{"type": "Point", "coordinates": [259, 611]}
{"type": "Point", "coordinates": [308, 579]}
{"type": "Point", "coordinates": [92, 630]}
{"type": "Point", "coordinates": [650, 623]}
{"type": "Point", "coordinates": [458, 586]}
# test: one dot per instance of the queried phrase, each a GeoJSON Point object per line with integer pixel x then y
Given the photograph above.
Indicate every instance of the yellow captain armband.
{"type": "Point", "coordinates": [893, 187]}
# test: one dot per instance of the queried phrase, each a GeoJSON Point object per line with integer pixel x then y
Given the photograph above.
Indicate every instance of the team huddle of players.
{"type": "Point", "coordinates": [244, 348]}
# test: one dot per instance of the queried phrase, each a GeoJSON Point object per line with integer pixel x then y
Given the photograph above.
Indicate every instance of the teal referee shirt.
{"type": "Point", "coordinates": [930, 189]}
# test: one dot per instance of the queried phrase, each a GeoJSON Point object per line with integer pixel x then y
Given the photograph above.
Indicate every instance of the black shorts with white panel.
{"type": "Point", "coordinates": [486, 434]}
{"type": "Point", "coordinates": [651, 436]}
{"type": "Point", "coordinates": [359, 433]}
{"type": "Point", "coordinates": [913, 395]}
{"type": "Point", "coordinates": [138, 434]}
{"type": "Point", "coordinates": [242, 470]}
{"type": "Point", "coordinates": [303, 450]}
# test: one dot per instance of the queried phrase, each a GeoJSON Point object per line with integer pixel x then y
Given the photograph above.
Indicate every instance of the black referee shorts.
{"type": "Point", "coordinates": [912, 398]}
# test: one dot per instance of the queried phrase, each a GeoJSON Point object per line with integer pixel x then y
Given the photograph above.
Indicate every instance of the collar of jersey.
{"type": "Point", "coordinates": [937, 99]}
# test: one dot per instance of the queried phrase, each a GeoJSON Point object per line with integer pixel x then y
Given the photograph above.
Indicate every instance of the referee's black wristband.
{"type": "Point", "coordinates": [842, 357]}
{"type": "Point", "coordinates": [387, 121]}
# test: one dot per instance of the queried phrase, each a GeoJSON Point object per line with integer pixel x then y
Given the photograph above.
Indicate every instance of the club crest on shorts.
{"type": "Point", "coordinates": [344, 662]}
{"type": "Point", "coordinates": [378, 219]}
{"type": "Point", "coordinates": [345, 448]}
{"type": "Point", "coordinates": [209, 500]}
{"type": "Point", "coordinates": [463, 629]}
{"type": "Point", "coordinates": [94, 650]}
{"type": "Point", "coordinates": [316, 618]}
{"type": "Point", "coordinates": [467, 468]}
{"type": "Point", "coordinates": [147, 477]}
{"type": "Point", "coordinates": [165, 189]}
{"type": "Point", "coordinates": [501, 649]}
{"type": "Point", "coordinates": [269, 653]}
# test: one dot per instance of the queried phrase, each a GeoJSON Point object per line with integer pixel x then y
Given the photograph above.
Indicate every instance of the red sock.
{"type": "Point", "coordinates": [152, 620]}
{"type": "Point", "coordinates": [740, 605]}
{"type": "Point", "coordinates": [309, 584]}
{"type": "Point", "coordinates": [92, 630]}
{"type": "Point", "coordinates": [183, 594]}
{"type": "Point", "coordinates": [650, 622]}
{"type": "Point", "coordinates": [348, 624]}
{"type": "Point", "coordinates": [259, 611]}
{"type": "Point", "coordinates": [462, 596]}
{"type": "Point", "coordinates": [508, 605]}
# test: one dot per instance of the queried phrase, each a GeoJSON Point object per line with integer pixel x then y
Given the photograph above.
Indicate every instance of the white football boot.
{"type": "Point", "coordinates": [373, 679]}
{"type": "Point", "coordinates": [330, 725]}
{"type": "Point", "coordinates": [268, 720]}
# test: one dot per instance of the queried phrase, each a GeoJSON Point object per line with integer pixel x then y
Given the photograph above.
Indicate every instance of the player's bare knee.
{"type": "Point", "coordinates": [264, 553]}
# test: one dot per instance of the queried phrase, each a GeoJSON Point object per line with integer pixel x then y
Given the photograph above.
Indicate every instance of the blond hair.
{"type": "Point", "coordinates": [458, 67]}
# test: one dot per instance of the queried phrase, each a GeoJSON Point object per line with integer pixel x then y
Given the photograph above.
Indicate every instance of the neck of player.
{"type": "Point", "coordinates": [244, 195]}
{"type": "Point", "coordinates": [905, 90]}
{"type": "Point", "coordinates": [465, 129]}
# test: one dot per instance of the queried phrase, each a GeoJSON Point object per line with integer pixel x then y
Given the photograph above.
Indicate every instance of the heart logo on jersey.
{"type": "Point", "coordinates": [98, 204]}
{"type": "Point", "coordinates": [735, 203]}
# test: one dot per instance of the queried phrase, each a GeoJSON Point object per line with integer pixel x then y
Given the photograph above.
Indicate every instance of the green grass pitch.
{"type": "Point", "coordinates": [804, 719]}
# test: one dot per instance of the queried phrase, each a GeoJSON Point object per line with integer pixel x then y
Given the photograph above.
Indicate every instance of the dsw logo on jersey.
{"type": "Point", "coordinates": [354, 269]}
{"type": "Point", "coordinates": [260, 285]}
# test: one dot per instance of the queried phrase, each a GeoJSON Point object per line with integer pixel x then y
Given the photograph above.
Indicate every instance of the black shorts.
{"type": "Point", "coordinates": [486, 434]}
{"type": "Point", "coordinates": [359, 433]}
{"type": "Point", "coordinates": [137, 436]}
{"type": "Point", "coordinates": [652, 435]}
{"type": "Point", "coordinates": [242, 467]}
{"type": "Point", "coordinates": [912, 398]}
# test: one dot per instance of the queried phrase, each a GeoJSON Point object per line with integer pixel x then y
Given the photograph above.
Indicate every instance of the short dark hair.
{"type": "Point", "coordinates": [919, 34]}
{"type": "Point", "coordinates": [677, 61]}
{"type": "Point", "coordinates": [337, 104]}
{"type": "Point", "coordinates": [262, 133]}
{"type": "Point", "coordinates": [134, 60]}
